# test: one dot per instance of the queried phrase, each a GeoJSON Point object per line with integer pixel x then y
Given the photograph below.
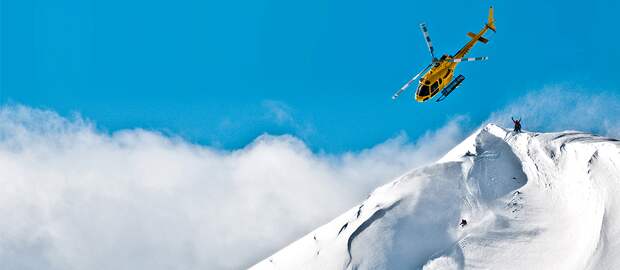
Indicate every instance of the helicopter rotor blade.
{"type": "Point", "coordinates": [402, 89]}
{"type": "Point", "coordinates": [470, 59]}
{"type": "Point", "coordinates": [427, 38]}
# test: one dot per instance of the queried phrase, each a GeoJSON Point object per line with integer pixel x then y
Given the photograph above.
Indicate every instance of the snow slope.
{"type": "Point", "coordinates": [531, 200]}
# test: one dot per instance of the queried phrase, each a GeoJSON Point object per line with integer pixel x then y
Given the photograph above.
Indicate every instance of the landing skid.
{"type": "Point", "coordinates": [450, 87]}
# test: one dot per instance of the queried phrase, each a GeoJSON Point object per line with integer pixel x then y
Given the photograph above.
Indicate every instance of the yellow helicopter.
{"type": "Point", "coordinates": [439, 77]}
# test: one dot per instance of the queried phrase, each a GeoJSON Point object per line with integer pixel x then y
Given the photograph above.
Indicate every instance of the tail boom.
{"type": "Point", "coordinates": [490, 25]}
{"type": "Point", "coordinates": [480, 38]}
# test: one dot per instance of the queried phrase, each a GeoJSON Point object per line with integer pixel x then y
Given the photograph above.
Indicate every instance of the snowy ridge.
{"type": "Point", "coordinates": [531, 201]}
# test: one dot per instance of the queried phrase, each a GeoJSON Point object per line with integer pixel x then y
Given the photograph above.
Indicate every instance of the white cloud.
{"type": "Point", "coordinates": [281, 114]}
{"type": "Point", "coordinates": [278, 111]}
{"type": "Point", "coordinates": [73, 197]}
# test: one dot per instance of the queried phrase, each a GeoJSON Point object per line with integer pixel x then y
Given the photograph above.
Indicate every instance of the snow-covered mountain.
{"type": "Point", "coordinates": [530, 200]}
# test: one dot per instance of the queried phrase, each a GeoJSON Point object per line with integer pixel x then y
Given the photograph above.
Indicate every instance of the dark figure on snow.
{"type": "Point", "coordinates": [517, 124]}
{"type": "Point", "coordinates": [463, 223]}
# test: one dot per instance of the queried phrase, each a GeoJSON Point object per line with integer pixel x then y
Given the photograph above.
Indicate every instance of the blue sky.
{"type": "Point", "coordinates": [223, 72]}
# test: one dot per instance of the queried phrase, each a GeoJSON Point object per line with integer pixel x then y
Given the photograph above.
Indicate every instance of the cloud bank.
{"type": "Point", "coordinates": [74, 197]}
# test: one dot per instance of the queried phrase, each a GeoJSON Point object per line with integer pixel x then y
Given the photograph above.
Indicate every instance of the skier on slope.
{"type": "Point", "coordinates": [463, 223]}
{"type": "Point", "coordinates": [517, 124]}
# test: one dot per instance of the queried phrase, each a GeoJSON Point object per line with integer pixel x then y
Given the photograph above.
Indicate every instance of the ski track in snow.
{"type": "Point", "coordinates": [531, 201]}
{"type": "Point", "coordinates": [375, 216]}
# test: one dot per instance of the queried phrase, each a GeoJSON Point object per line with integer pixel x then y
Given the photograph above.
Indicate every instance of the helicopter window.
{"type": "Point", "coordinates": [447, 73]}
{"type": "Point", "coordinates": [423, 90]}
{"type": "Point", "coordinates": [435, 88]}
{"type": "Point", "coordinates": [440, 81]}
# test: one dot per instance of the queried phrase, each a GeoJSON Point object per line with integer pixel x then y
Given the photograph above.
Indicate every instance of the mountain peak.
{"type": "Point", "coordinates": [496, 129]}
{"type": "Point", "coordinates": [498, 200]}
{"type": "Point", "coordinates": [468, 146]}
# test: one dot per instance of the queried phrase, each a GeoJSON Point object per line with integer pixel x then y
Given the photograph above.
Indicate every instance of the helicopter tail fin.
{"type": "Point", "coordinates": [491, 21]}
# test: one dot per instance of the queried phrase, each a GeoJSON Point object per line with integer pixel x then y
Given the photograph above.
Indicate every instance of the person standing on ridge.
{"type": "Point", "coordinates": [517, 124]}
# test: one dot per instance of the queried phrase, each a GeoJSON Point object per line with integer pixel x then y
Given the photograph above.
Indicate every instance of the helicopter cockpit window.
{"type": "Point", "coordinates": [424, 90]}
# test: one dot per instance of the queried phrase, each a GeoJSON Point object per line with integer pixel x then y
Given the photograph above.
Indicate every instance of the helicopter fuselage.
{"type": "Point", "coordinates": [442, 71]}
{"type": "Point", "coordinates": [434, 80]}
